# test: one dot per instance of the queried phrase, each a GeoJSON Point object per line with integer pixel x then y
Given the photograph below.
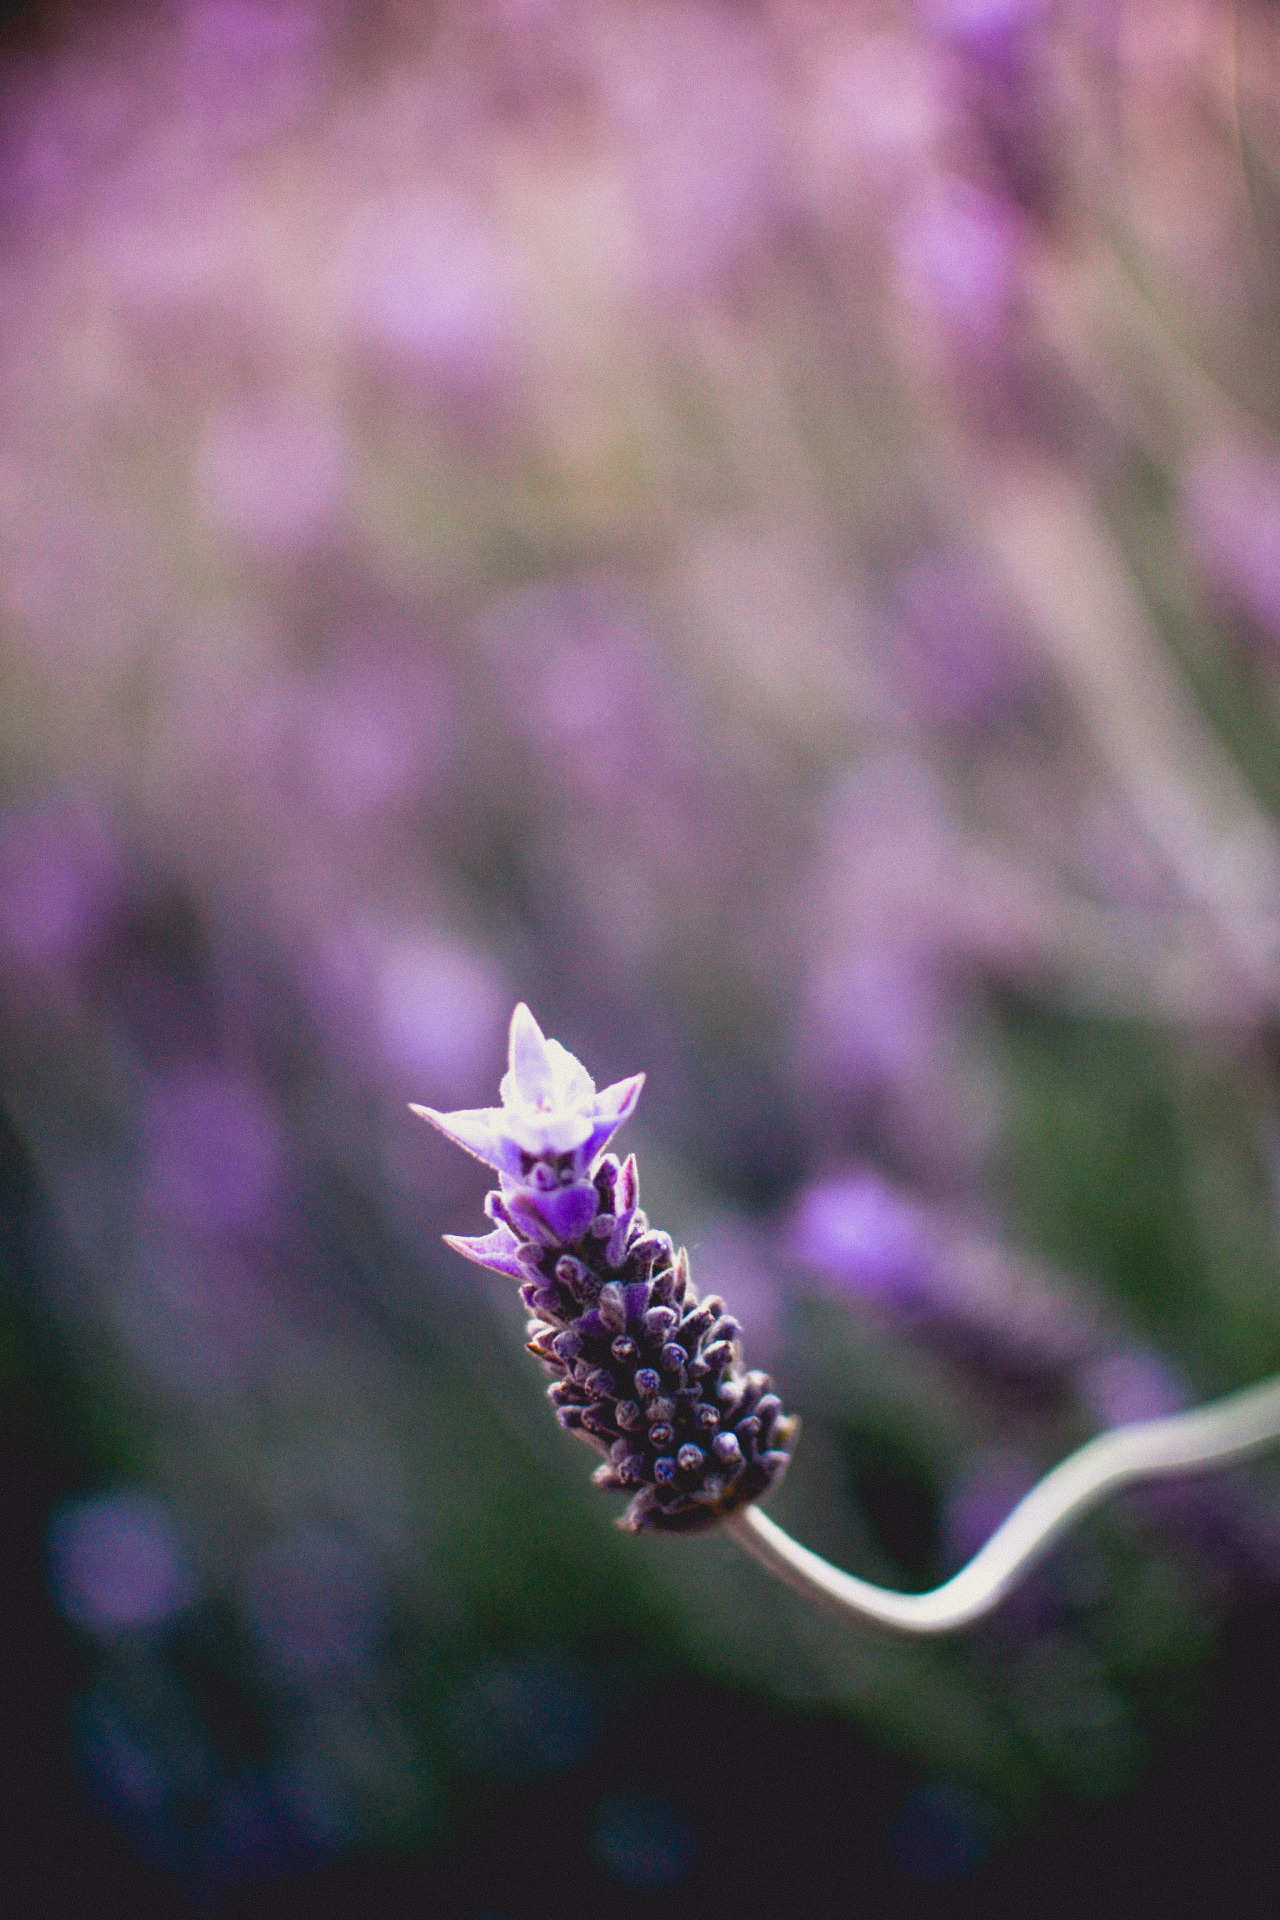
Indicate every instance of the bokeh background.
{"type": "Point", "coordinates": [755, 528]}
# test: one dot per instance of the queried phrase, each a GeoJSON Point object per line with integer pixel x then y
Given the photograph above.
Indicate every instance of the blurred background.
{"type": "Point", "coordinates": [755, 528]}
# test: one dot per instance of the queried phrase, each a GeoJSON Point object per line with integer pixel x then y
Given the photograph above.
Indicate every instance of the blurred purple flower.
{"type": "Point", "coordinates": [962, 1293]}
{"type": "Point", "coordinates": [876, 116]}
{"type": "Point", "coordinates": [62, 875]}
{"type": "Point", "coordinates": [215, 1152]}
{"type": "Point", "coordinates": [878, 1019]}
{"type": "Point", "coordinates": [958, 653]}
{"type": "Point", "coordinates": [1004, 54]}
{"type": "Point", "coordinates": [441, 1005]}
{"type": "Point", "coordinates": [250, 68]}
{"type": "Point", "coordinates": [983, 23]}
{"type": "Point", "coordinates": [63, 127]}
{"type": "Point", "coordinates": [1118, 1388]}
{"type": "Point", "coordinates": [873, 1240]}
{"type": "Point", "coordinates": [390, 1006]}
{"type": "Point", "coordinates": [370, 737]}
{"type": "Point", "coordinates": [272, 474]}
{"type": "Point", "coordinates": [116, 1563]}
{"type": "Point", "coordinates": [1231, 509]}
{"type": "Point", "coordinates": [697, 109]}
{"type": "Point", "coordinates": [960, 255]}
{"type": "Point", "coordinates": [879, 1036]}
{"type": "Point", "coordinates": [428, 284]}
{"type": "Point", "coordinates": [581, 676]}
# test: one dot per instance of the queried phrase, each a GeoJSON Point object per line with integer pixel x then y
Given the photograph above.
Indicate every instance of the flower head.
{"type": "Point", "coordinates": [642, 1371]}
{"type": "Point", "coordinates": [551, 1114]}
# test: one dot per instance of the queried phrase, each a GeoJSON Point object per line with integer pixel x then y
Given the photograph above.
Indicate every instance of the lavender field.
{"type": "Point", "coordinates": [754, 529]}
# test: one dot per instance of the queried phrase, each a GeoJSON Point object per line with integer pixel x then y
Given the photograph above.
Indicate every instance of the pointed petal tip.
{"type": "Point", "coordinates": [467, 1246]}
{"type": "Point", "coordinates": [613, 1108]}
{"type": "Point", "coordinates": [527, 1056]}
{"type": "Point", "coordinates": [443, 1122]}
{"type": "Point", "coordinates": [491, 1250]}
{"type": "Point", "coordinates": [619, 1100]}
{"type": "Point", "coordinates": [523, 1026]}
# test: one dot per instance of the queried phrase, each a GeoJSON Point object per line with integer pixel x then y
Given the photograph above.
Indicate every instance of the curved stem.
{"type": "Point", "coordinates": [1230, 1428]}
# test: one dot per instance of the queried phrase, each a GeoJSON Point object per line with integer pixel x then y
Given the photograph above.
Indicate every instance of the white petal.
{"type": "Point", "coordinates": [573, 1085]}
{"type": "Point", "coordinates": [551, 1131]}
{"type": "Point", "coordinates": [532, 1071]}
{"type": "Point", "coordinates": [479, 1130]}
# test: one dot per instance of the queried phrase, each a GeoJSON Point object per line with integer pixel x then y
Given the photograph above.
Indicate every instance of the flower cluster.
{"type": "Point", "coordinates": [643, 1371]}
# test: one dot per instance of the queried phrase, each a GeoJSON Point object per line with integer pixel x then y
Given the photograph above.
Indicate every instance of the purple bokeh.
{"type": "Point", "coordinates": [62, 878]}
{"type": "Point", "coordinates": [426, 286]}
{"type": "Point", "coordinates": [869, 1238]}
{"type": "Point", "coordinates": [272, 476]}
{"type": "Point", "coordinates": [1129, 1385]}
{"type": "Point", "coordinates": [217, 1156]}
{"type": "Point", "coordinates": [117, 1564]}
{"type": "Point", "coordinates": [1231, 508]}
{"type": "Point", "coordinates": [961, 254]}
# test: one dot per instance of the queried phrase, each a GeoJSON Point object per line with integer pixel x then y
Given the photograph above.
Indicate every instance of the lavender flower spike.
{"type": "Point", "coordinates": [651, 1378]}
{"type": "Point", "coordinates": [642, 1371]}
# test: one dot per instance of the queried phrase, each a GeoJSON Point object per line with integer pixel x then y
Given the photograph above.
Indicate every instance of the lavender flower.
{"type": "Point", "coordinates": [643, 1372]}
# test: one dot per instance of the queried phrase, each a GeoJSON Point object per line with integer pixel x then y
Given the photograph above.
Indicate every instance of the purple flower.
{"type": "Point", "coordinates": [961, 255]}
{"type": "Point", "coordinates": [552, 1124]}
{"type": "Point", "coordinates": [116, 1564]}
{"type": "Point", "coordinates": [642, 1371]}
{"type": "Point", "coordinates": [272, 477]}
{"type": "Point", "coordinates": [869, 1237]}
{"type": "Point", "coordinates": [1231, 511]}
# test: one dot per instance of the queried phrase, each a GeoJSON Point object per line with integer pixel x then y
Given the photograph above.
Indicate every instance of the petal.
{"type": "Point", "coordinates": [638, 1517]}
{"type": "Point", "coordinates": [495, 1250]}
{"type": "Point", "coordinates": [564, 1213]}
{"type": "Point", "coordinates": [627, 1193]}
{"type": "Point", "coordinates": [481, 1131]}
{"type": "Point", "coordinates": [572, 1085]}
{"type": "Point", "coordinates": [620, 1099]}
{"type": "Point", "coordinates": [616, 1250]}
{"type": "Point", "coordinates": [564, 1132]}
{"type": "Point", "coordinates": [528, 1217]}
{"type": "Point", "coordinates": [530, 1059]}
{"type": "Point", "coordinates": [543, 1133]}
{"type": "Point", "coordinates": [613, 1106]}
